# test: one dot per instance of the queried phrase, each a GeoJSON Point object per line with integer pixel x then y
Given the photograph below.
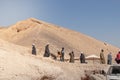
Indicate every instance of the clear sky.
{"type": "Point", "coordinates": [97, 18]}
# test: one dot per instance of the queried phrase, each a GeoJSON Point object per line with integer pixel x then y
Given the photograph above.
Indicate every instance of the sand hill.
{"type": "Point", "coordinates": [41, 33]}
{"type": "Point", "coordinates": [17, 62]}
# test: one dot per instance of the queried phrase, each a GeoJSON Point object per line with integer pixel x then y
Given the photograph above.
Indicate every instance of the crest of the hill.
{"type": "Point", "coordinates": [41, 33]}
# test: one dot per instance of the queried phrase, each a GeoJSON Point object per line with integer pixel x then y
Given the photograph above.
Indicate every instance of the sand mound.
{"type": "Point", "coordinates": [16, 63]}
{"type": "Point", "coordinates": [16, 66]}
{"type": "Point", "coordinates": [39, 32]}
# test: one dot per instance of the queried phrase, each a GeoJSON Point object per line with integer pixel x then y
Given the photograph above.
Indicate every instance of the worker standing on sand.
{"type": "Point", "coordinates": [62, 54]}
{"type": "Point", "coordinates": [82, 57]}
{"type": "Point", "coordinates": [47, 51]}
{"type": "Point", "coordinates": [102, 58]}
{"type": "Point", "coordinates": [33, 49]}
{"type": "Point", "coordinates": [117, 59]}
{"type": "Point", "coordinates": [71, 57]}
{"type": "Point", "coordinates": [109, 61]}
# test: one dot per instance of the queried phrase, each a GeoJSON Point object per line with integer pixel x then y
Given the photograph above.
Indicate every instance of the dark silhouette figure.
{"type": "Point", "coordinates": [33, 50]}
{"type": "Point", "coordinates": [47, 51]}
{"type": "Point", "coordinates": [82, 58]}
{"type": "Point", "coordinates": [62, 54]}
{"type": "Point", "coordinates": [71, 57]}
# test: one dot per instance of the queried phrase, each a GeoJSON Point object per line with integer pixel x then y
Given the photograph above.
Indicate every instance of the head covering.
{"type": "Point", "coordinates": [33, 44]}
{"type": "Point", "coordinates": [81, 52]}
{"type": "Point", "coordinates": [102, 50]}
{"type": "Point", "coordinates": [62, 48]}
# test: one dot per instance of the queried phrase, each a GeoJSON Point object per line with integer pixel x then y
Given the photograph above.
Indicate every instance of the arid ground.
{"type": "Point", "coordinates": [17, 62]}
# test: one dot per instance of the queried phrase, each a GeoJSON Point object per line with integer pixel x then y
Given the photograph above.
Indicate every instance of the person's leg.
{"type": "Point", "coordinates": [107, 61]}
{"type": "Point", "coordinates": [60, 58]}
{"type": "Point", "coordinates": [117, 61]}
{"type": "Point", "coordinates": [63, 58]}
{"type": "Point", "coordinates": [110, 62]}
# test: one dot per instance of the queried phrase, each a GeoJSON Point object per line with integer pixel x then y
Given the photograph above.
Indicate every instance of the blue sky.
{"type": "Point", "coordinates": [97, 18]}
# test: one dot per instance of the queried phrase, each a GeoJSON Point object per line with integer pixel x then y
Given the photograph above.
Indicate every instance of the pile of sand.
{"type": "Point", "coordinates": [41, 33]}
{"type": "Point", "coordinates": [16, 63]}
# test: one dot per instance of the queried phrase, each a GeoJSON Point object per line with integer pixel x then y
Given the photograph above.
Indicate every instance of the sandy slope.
{"type": "Point", "coordinates": [39, 32]}
{"type": "Point", "coordinates": [16, 63]}
{"type": "Point", "coordinates": [16, 66]}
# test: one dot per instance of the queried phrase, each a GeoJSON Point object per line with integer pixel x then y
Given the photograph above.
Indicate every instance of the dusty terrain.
{"type": "Point", "coordinates": [41, 33]}
{"type": "Point", "coordinates": [17, 62]}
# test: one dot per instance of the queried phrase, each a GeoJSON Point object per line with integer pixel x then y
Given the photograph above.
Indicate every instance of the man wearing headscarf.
{"type": "Point", "coordinates": [33, 49]}
{"type": "Point", "coordinates": [71, 57]}
{"type": "Point", "coordinates": [102, 58]}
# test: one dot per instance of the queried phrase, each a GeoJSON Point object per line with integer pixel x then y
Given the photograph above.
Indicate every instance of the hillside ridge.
{"type": "Point", "coordinates": [41, 33]}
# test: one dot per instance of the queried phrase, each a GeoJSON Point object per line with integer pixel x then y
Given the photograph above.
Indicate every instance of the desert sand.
{"type": "Point", "coordinates": [17, 62]}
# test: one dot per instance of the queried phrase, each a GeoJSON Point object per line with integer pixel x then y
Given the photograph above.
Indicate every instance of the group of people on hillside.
{"type": "Point", "coordinates": [61, 54]}
{"type": "Point", "coordinates": [47, 52]}
{"type": "Point", "coordinates": [82, 56]}
{"type": "Point", "coordinates": [102, 58]}
{"type": "Point", "coordinates": [109, 58]}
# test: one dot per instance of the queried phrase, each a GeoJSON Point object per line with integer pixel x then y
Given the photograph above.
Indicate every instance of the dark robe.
{"type": "Point", "coordinates": [47, 51]}
{"type": "Point", "coordinates": [82, 58]}
{"type": "Point", "coordinates": [62, 55]}
{"type": "Point", "coordinates": [33, 50]}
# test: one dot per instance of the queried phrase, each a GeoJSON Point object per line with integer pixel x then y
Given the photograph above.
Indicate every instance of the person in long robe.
{"type": "Point", "coordinates": [47, 51]}
{"type": "Point", "coordinates": [82, 57]}
{"type": "Point", "coordinates": [62, 54]}
{"type": "Point", "coordinates": [33, 49]}
{"type": "Point", "coordinates": [71, 57]}
{"type": "Point", "coordinates": [102, 58]}
{"type": "Point", "coordinates": [109, 59]}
